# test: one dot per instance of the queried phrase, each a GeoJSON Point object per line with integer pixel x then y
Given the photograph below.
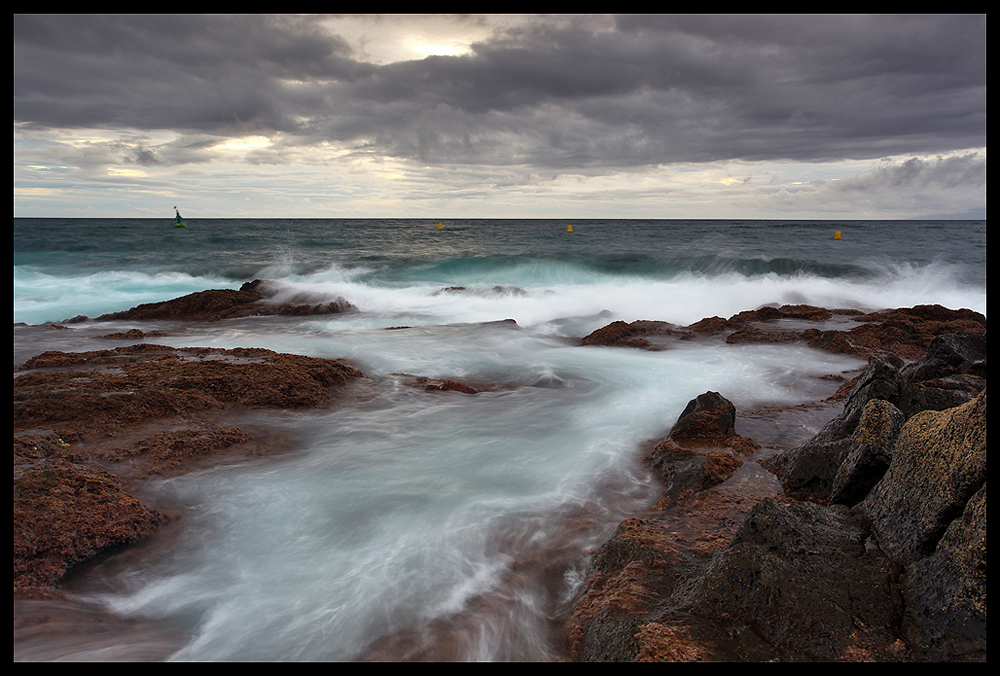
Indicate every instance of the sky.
{"type": "Point", "coordinates": [500, 116]}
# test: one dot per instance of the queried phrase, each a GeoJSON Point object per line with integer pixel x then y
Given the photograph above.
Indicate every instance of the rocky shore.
{"type": "Point", "coordinates": [872, 548]}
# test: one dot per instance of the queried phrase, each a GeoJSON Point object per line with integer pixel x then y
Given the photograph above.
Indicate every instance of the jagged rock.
{"type": "Point", "coordinates": [868, 454]}
{"type": "Point", "coordinates": [900, 576]}
{"type": "Point", "coordinates": [946, 592]}
{"type": "Point", "coordinates": [951, 373]}
{"type": "Point", "coordinates": [948, 354]}
{"type": "Point", "coordinates": [700, 451]}
{"type": "Point", "coordinates": [938, 465]}
{"type": "Point", "coordinates": [807, 580]}
{"type": "Point", "coordinates": [812, 467]}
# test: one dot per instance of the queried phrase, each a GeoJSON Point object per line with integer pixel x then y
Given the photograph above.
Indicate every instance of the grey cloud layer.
{"type": "Point", "coordinates": [558, 93]}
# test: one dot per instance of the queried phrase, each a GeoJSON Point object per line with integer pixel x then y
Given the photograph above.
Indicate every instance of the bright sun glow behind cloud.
{"type": "Point", "coordinates": [244, 143]}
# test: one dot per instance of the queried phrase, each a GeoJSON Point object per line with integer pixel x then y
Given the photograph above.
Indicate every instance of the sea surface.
{"type": "Point", "coordinates": [404, 519]}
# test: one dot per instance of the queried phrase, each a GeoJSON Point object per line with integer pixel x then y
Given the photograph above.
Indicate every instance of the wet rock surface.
{"type": "Point", "coordinates": [871, 548]}
{"type": "Point", "coordinates": [259, 297]}
{"type": "Point", "coordinates": [88, 423]}
{"type": "Point", "coordinates": [904, 332]}
{"type": "Point", "coordinates": [866, 541]}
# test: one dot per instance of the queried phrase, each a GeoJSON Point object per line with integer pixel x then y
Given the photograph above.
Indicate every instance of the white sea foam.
{"type": "Point", "coordinates": [401, 511]}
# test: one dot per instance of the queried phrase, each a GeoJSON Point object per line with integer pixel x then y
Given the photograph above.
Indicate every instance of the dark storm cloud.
{"type": "Point", "coordinates": [194, 73]}
{"type": "Point", "coordinates": [560, 92]}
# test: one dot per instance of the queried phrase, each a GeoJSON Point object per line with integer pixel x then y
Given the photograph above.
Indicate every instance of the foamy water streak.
{"type": "Point", "coordinates": [408, 523]}
{"type": "Point", "coordinates": [408, 508]}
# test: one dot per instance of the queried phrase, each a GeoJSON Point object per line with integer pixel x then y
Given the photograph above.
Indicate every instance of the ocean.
{"type": "Point", "coordinates": [410, 516]}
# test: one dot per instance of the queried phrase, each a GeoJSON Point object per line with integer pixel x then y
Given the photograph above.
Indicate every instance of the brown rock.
{"type": "Point", "coordinates": [938, 465]}
{"type": "Point", "coordinates": [622, 334]}
{"type": "Point", "coordinates": [130, 410]}
{"type": "Point", "coordinates": [700, 451]}
{"type": "Point", "coordinates": [128, 384]}
{"type": "Point", "coordinates": [66, 514]}
{"type": "Point", "coordinates": [258, 297]}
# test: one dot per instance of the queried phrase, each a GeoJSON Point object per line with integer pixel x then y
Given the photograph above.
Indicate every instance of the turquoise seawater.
{"type": "Point", "coordinates": [441, 517]}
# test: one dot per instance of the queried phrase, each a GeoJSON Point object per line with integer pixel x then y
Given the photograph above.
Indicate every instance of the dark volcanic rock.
{"type": "Point", "coordinates": [952, 372]}
{"type": "Point", "coordinates": [807, 580]}
{"type": "Point", "coordinates": [812, 467]}
{"type": "Point", "coordinates": [702, 448]}
{"type": "Point", "coordinates": [938, 465]}
{"type": "Point", "coordinates": [868, 454]}
{"type": "Point", "coordinates": [929, 512]}
{"type": "Point", "coordinates": [893, 569]}
{"type": "Point", "coordinates": [953, 360]}
{"type": "Point", "coordinates": [946, 592]}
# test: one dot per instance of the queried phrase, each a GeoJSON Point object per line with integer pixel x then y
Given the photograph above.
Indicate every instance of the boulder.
{"type": "Point", "coordinates": [709, 417]}
{"type": "Point", "coordinates": [945, 593]}
{"type": "Point", "coordinates": [868, 454]}
{"type": "Point", "coordinates": [807, 580]}
{"type": "Point", "coordinates": [811, 468]}
{"type": "Point", "coordinates": [702, 448]}
{"type": "Point", "coordinates": [938, 465]}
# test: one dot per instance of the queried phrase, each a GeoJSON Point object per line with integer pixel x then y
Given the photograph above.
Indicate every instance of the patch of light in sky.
{"type": "Point", "coordinates": [244, 143]}
{"type": "Point", "coordinates": [406, 37]}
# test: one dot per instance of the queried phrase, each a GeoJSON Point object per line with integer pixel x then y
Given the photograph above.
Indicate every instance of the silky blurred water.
{"type": "Point", "coordinates": [404, 517]}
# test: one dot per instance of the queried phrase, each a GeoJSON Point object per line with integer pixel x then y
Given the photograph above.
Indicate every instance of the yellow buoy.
{"type": "Point", "coordinates": [569, 228]}
{"type": "Point", "coordinates": [836, 235]}
{"type": "Point", "coordinates": [440, 227]}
